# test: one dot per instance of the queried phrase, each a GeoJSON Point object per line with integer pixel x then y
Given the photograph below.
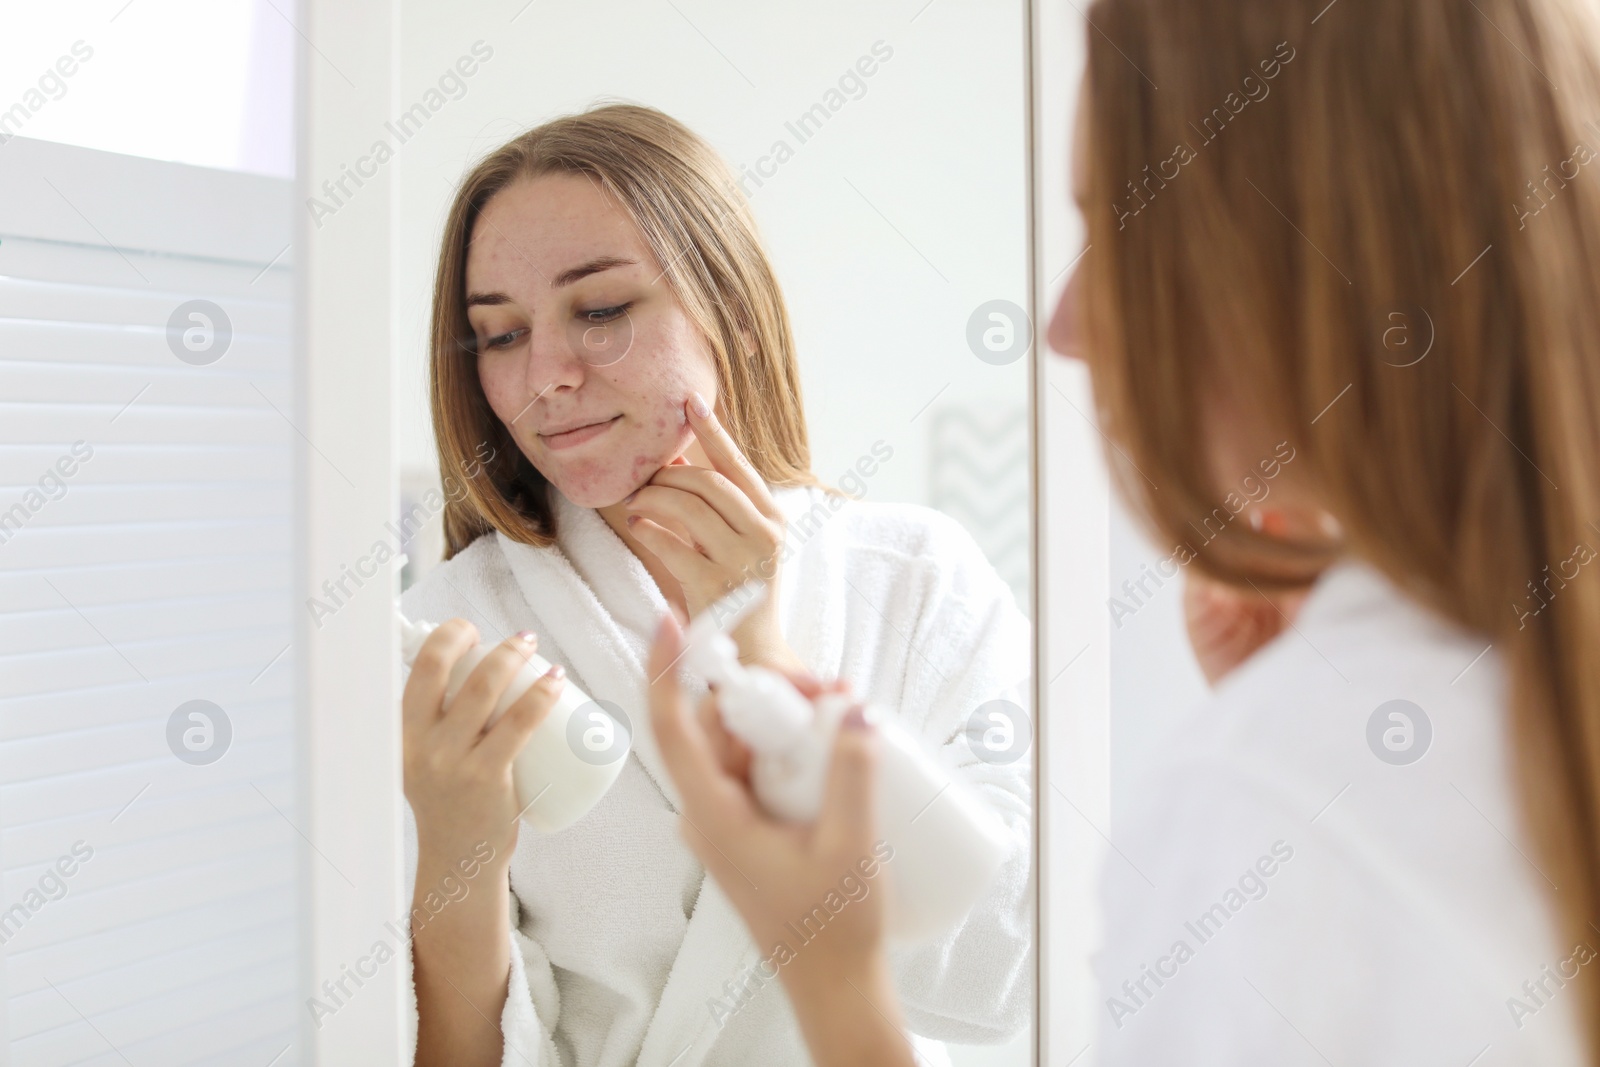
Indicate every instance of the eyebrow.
{"type": "Point", "coordinates": [565, 278]}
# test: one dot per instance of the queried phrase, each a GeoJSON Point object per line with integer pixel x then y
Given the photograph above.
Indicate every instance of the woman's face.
{"type": "Point", "coordinates": [1234, 444]}
{"type": "Point", "coordinates": [584, 352]}
{"type": "Point", "coordinates": [1064, 331]}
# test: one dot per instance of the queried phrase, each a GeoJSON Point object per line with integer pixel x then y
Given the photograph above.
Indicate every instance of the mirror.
{"type": "Point", "coordinates": [880, 152]}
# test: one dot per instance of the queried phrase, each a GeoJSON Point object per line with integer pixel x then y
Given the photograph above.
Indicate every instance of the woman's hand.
{"type": "Point", "coordinates": [458, 781]}
{"type": "Point", "coordinates": [1227, 625]}
{"type": "Point", "coordinates": [715, 529]}
{"type": "Point", "coordinates": [457, 774]}
{"type": "Point", "coordinates": [777, 873]}
{"type": "Point", "coordinates": [774, 872]}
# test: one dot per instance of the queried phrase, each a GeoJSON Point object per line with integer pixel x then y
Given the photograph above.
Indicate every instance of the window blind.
{"type": "Point", "coordinates": [148, 826]}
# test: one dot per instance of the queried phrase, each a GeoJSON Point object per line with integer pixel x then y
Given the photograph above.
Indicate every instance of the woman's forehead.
{"type": "Point", "coordinates": [536, 229]}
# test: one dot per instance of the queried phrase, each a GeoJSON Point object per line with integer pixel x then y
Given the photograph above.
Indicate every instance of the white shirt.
{"type": "Point", "coordinates": [1285, 895]}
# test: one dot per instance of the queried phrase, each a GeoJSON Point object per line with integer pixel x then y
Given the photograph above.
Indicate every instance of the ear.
{"type": "Point", "coordinates": [749, 340]}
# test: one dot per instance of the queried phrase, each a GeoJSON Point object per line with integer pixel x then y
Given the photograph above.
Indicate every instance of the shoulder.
{"type": "Point", "coordinates": [1294, 809]}
{"type": "Point", "coordinates": [918, 537]}
{"type": "Point", "coordinates": [1296, 715]}
{"type": "Point", "coordinates": [477, 575]}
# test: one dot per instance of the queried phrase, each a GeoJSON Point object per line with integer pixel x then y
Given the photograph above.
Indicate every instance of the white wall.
{"type": "Point", "coordinates": [1154, 677]}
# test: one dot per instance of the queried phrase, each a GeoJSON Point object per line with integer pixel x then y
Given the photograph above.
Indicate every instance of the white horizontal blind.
{"type": "Point", "coordinates": [147, 891]}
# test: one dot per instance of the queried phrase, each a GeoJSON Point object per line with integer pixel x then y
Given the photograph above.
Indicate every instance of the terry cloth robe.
{"type": "Point", "coordinates": [1334, 865]}
{"type": "Point", "coordinates": [624, 951]}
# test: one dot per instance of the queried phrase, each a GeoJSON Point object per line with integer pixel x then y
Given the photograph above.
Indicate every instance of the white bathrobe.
{"type": "Point", "coordinates": [1313, 873]}
{"type": "Point", "coordinates": [622, 946]}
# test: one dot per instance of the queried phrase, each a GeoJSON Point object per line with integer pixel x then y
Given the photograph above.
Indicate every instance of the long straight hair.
{"type": "Point", "coordinates": [1369, 231]}
{"type": "Point", "coordinates": [681, 195]}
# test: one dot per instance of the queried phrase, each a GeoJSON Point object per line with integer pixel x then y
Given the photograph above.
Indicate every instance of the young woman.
{"type": "Point", "coordinates": [614, 384]}
{"type": "Point", "coordinates": [1359, 230]}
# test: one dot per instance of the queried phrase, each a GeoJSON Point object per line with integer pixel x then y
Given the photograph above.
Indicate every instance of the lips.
{"type": "Point", "coordinates": [576, 434]}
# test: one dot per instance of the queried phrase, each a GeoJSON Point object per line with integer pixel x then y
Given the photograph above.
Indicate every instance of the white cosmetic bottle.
{"type": "Point", "coordinates": [570, 759]}
{"type": "Point", "coordinates": [947, 844]}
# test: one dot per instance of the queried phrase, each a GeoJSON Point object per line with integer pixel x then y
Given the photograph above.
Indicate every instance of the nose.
{"type": "Point", "coordinates": [1065, 331]}
{"type": "Point", "coordinates": [552, 366]}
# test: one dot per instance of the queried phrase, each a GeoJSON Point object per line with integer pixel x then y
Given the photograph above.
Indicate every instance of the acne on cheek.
{"type": "Point", "coordinates": [673, 386]}
{"type": "Point", "coordinates": [673, 422]}
{"type": "Point", "coordinates": [672, 445]}
{"type": "Point", "coordinates": [670, 437]}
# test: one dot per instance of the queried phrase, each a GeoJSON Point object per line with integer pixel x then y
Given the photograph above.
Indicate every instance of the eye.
{"type": "Point", "coordinates": [601, 315]}
{"type": "Point", "coordinates": [504, 340]}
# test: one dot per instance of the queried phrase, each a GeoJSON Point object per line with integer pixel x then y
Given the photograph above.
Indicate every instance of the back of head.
{"type": "Point", "coordinates": [1368, 230]}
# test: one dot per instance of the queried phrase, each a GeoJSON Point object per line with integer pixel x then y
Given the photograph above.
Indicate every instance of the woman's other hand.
{"type": "Point", "coordinates": [1228, 624]}
{"type": "Point", "coordinates": [777, 874]}
{"type": "Point", "coordinates": [458, 782]}
{"type": "Point", "coordinates": [457, 774]}
{"type": "Point", "coordinates": [716, 529]}
{"type": "Point", "coordinates": [774, 872]}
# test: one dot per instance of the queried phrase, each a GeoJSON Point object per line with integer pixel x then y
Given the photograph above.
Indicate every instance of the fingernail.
{"type": "Point", "coordinates": [698, 405]}
{"type": "Point", "coordinates": [629, 498]}
{"type": "Point", "coordinates": [856, 719]}
{"type": "Point", "coordinates": [527, 637]}
{"type": "Point", "coordinates": [632, 519]}
{"type": "Point", "coordinates": [556, 672]}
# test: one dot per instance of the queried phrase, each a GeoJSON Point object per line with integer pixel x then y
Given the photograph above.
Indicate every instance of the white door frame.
{"type": "Point", "coordinates": [349, 661]}
{"type": "Point", "coordinates": [1072, 516]}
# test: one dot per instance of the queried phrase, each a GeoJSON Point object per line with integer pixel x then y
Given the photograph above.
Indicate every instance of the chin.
{"type": "Point", "coordinates": [599, 485]}
{"type": "Point", "coordinates": [594, 494]}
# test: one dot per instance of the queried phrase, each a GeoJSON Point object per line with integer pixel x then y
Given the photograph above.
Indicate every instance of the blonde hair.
{"type": "Point", "coordinates": [1261, 251]}
{"type": "Point", "coordinates": [682, 197]}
